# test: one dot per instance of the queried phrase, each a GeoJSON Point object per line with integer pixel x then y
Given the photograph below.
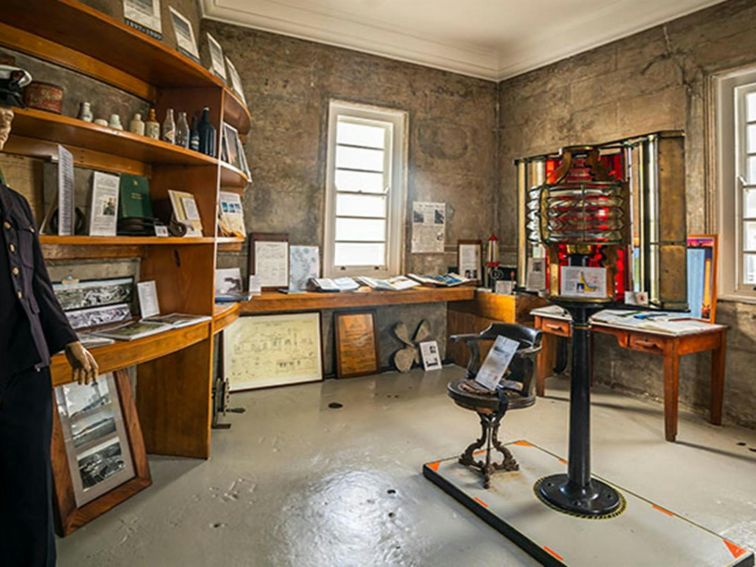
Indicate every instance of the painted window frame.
{"type": "Point", "coordinates": [395, 163]}
{"type": "Point", "coordinates": [730, 91]}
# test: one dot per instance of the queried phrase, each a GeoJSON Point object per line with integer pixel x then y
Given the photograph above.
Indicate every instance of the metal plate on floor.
{"type": "Point", "coordinates": [644, 534]}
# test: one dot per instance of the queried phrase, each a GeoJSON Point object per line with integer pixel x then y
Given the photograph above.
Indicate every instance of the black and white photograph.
{"type": "Point", "coordinates": [80, 294]}
{"type": "Point", "coordinates": [96, 316]}
{"type": "Point", "coordinates": [228, 281]}
{"type": "Point", "coordinates": [95, 437]}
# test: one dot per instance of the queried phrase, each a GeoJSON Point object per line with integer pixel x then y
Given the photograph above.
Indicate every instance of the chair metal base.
{"type": "Point", "coordinates": [489, 424]}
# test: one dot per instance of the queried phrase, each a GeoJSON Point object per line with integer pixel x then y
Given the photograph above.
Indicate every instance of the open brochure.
{"type": "Point", "coordinates": [333, 285]}
{"type": "Point", "coordinates": [177, 320]}
{"type": "Point", "coordinates": [132, 331]}
{"type": "Point", "coordinates": [441, 280]}
{"type": "Point", "coordinates": [397, 283]}
{"type": "Point", "coordinates": [496, 363]}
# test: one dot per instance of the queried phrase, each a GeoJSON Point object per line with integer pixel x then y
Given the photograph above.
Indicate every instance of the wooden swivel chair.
{"type": "Point", "coordinates": [516, 391]}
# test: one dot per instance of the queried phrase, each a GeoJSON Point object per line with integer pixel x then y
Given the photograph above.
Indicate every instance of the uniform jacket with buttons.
{"type": "Point", "coordinates": [29, 284]}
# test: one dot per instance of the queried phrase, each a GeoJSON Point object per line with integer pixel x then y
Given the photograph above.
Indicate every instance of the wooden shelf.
{"type": "Point", "coordinates": [82, 28]}
{"type": "Point", "coordinates": [123, 354]}
{"type": "Point", "coordinates": [236, 112]}
{"type": "Point", "coordinates": [65, 130]}
{"type": "Point", "coordinates": [275, 302]}
{"type": "Point", "coordinates": [232, 177]}
{"type": "Point", "coordinates": [223, 315]}
{"type": "Point", "coordinates": [83, 240]}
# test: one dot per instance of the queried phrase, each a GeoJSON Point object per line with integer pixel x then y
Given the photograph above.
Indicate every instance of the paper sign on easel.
{"type": "Point", "coordinates": [496, 363]}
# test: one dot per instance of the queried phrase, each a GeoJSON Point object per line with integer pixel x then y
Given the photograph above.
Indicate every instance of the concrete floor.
{"type": "Point", "coordinates": [297, 483]}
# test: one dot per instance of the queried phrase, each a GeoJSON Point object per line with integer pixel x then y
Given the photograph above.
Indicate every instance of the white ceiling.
{"type": "Point", "coordinates": [491, 39]}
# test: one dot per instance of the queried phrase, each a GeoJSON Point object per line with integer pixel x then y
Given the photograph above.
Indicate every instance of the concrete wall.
{"type": "Point", "coordinates": [452, 149]}
{"type": "Point", "coordinates": [654, 80]}
{"type": "Point", "coordinates": [288, 84]}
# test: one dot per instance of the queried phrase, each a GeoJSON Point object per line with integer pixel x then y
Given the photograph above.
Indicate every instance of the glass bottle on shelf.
{"type": "Point", "coordinates": [182, 131]}
{"type": "Point", "coordinates": [206, 134]}
{"type": "Point", "coordinates": [151, 126]}
{"type": "Point", "coordinates": [169, 127]}
{"type": "Point", "coordinates": [194, 139]}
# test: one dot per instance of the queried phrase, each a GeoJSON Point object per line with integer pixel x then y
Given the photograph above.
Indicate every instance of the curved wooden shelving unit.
{"type": "Point", "coordinates": [123, 354]}
{"type": "Point", "coordinates": [114, 52]}
{"type": "Point", "coordinates": [83, 240]}
{"type": "Point", "coordinates": [224, 315]}
{"type": "Point", "coordinates": [232, 177]}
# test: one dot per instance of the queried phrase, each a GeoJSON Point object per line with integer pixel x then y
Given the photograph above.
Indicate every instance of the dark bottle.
{"type": "Point", "coordinates": [206, 133]}
{"type": "Point", "coordinates": [194, 138]}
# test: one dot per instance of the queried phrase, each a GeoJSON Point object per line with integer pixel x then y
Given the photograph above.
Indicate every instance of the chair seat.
{"type": "Point", "coordinates": [468, 394]}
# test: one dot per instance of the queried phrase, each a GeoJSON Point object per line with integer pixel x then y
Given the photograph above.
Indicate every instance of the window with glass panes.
{"type": "Point", "coordinates": [365, 191]}
{"type": "Point", "coordinates": [746, 180]}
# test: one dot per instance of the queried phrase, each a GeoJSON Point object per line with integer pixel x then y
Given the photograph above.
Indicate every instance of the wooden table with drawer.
{"type": "Point", "coordinates": [671, 347]}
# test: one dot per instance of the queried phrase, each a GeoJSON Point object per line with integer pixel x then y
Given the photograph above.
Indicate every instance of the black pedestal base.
{"type": "Point", "coordinates": [597, 500]}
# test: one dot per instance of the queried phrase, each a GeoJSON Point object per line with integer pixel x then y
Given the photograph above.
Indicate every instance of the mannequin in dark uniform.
{"type": "Point", "coordinates": [33, 327]}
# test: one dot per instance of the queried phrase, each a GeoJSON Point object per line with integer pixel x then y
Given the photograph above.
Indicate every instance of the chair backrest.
{"type": "Point", "coordinates": [523, 364]}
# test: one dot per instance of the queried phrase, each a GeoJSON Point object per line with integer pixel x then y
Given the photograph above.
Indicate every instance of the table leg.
{"type": "Point", "coordinates": [545, 362]}
{"type": "Point", "coordinates": [717, 381]}
{"type": "Point", "coordinates": [671, 391]}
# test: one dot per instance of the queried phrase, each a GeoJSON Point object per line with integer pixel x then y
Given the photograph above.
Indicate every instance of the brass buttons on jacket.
{"type": "Point", "coordinates": [20, 295]}
{"type": "Point", "coordinates": [12, 247]}
{"type": "Point", "coordinates": [15, 271]}
{"type": "Point", "coordinates": [7, 225]}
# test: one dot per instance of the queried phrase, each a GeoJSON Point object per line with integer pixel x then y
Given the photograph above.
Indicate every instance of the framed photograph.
{"type": "Point", "coordinates": [104, 208]}
{"type": "Point", "coordinates": [185, 40]}
{"type": "Point", "coordinates": [235, 80]}
{"type": "Point", "coordinates": [430, 355]}
{"type": "Point", "coordinates": [81, 294]}
{"type": "Point", "coordinates": [97, 316]}
{"type": "Point", "coordinates": [217, 65]}
{"type": "Point", "coordinates": [470, 259]}
{"type": "Point", "coordinates": [230, 146]}
{"type": "Point", "coordinates": [186, 212]}
{"type": "Point", "coordinates": [149, 305]}
{"type": "Point", "coordinates": [356, 344]}
{"type": "Point", "coordinates": [269, 259]}
{"type": "Point", "coordinates": [144, 15]}
{"type": "Point", "coordinates": [228, 281]}
{"type": "Point", "coordinates": [98, 453]}
{"type": "Point", "coordinates": [272, 350]}
{"type": "Point", "coordinates": [304, 263]}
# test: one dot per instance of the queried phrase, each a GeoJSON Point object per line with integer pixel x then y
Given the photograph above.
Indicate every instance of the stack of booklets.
{"type": "Point", "coordinates": [151, 326]}
{"type": "Point", "coordinates": [397, 283]}
{"type": "Point", "coordinates": [333, 285]}
{"type": "Point", "coordinates": [441, 280]}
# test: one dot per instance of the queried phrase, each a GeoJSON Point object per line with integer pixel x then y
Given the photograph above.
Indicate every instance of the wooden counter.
{"type": "Point", "coordinates": [277, 302]}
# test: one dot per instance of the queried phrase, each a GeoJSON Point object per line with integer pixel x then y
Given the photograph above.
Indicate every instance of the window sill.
{"type": "Point", "coordinates": [738, 298]}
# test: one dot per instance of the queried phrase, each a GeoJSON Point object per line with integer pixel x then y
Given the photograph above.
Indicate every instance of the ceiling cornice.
{"type": "Point", "coordinates": [377, 38]}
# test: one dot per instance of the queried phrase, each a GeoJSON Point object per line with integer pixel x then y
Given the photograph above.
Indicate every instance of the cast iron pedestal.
{"type": "Point", "coordinates": [576, 492]}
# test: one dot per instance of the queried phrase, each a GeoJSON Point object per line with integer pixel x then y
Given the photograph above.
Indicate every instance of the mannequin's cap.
{"type": "Point", "coordinates": [12, 81]}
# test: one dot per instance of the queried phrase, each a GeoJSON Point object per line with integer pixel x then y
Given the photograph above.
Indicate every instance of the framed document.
{"type": "Point", "coordinates": [272, 350]}
{"type": "Point", "coordinates": [269, 259]}
{"type": "Point", "coordinates": [184, 34]}
{"type": "Point", "coordinates": [217, 65]}
{"type": "Point", "coordinates": [470, 259]}
{"type": "Point", "coordinates": [356, 344]}
{"type": "Point", "coordinates": [98, 453]}
{"type": "Point", "coordinates": [144, 15]}
{"type": "Point", "coordinates": [702, 276]}
{"type": "Point", "coordinates": [102, 216]}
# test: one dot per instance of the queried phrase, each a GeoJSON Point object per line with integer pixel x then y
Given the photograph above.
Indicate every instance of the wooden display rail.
{"type": "Point", "coordinates": [115, 53]}
{"type": "Point", "coordinates": [276, 302]}
{"type": "Point", "coordinates": [123, 354]}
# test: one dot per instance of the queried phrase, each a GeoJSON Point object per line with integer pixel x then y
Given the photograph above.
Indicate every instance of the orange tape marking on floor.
{"type": "Point", "coordinates": [736, 550]}
{"type": "Point", "coordinates": [662, 510]}
{"type": "Point", "coordinates": [523, 443]}
{"type": "Point", "coordinates": [553, 553]}
{"type": "Point", "coordinates": [433, 466]}
{"type": "Point", "coordinates": [479, 501]}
